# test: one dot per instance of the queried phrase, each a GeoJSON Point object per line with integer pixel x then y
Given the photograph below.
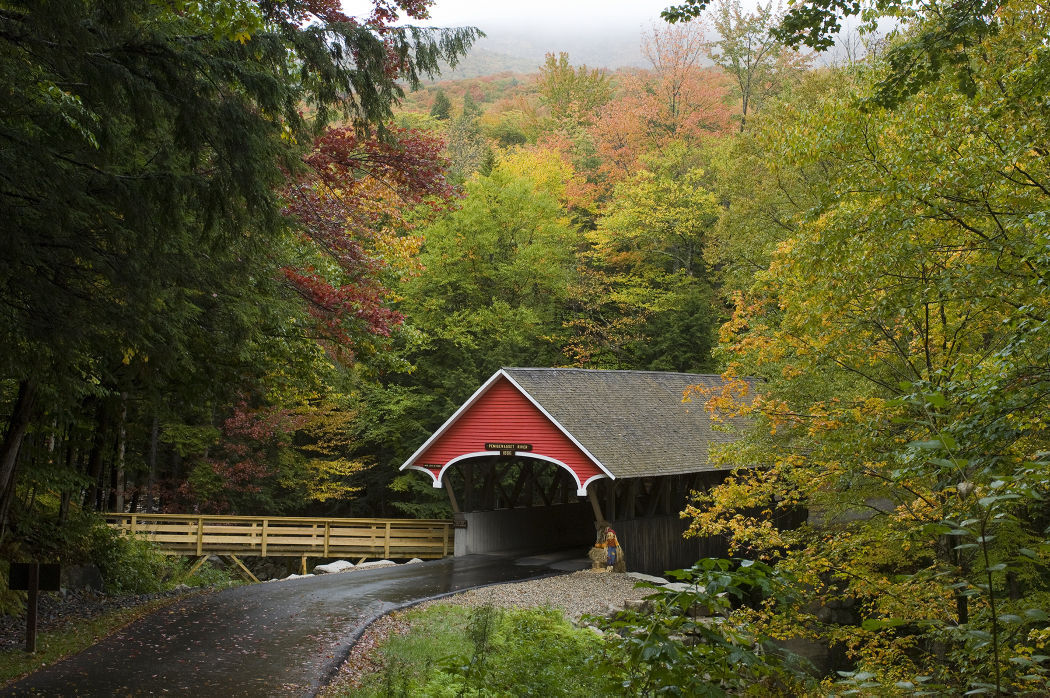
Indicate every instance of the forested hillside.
{"type": "Point", "coordinates": [233, 283]}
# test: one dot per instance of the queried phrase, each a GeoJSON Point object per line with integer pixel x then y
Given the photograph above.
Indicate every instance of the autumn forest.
{"type": "Point", "coordinates": [255, 252]}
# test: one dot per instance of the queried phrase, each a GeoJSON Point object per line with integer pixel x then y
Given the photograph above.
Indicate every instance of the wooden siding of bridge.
{"type": "Point", "coordinates": [270, 536]}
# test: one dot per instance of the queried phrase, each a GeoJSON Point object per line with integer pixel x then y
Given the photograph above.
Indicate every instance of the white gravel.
{"type": "Point", "coordinates": [578, 593]}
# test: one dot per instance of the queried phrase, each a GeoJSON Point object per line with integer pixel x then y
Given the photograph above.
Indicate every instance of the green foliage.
{"type": "Point", "coordinates": [12, 603]}
{"type": "Point", "coordinates": [498, 270]}
{"type": "Point", "coordinates": [157, 160]}
{"type": "Point", "coordinates": [750, 51]}
{"type": "Point", "coordinates": [572, 93]}
{"type": "Point", "coordinates": [209, 576]}
{"type": "Point", "coordinates": [455, 651]}
{"type": "Point", "coordinates": [647, 301]}
{"type": "Point", "coordinates": [891, 277]}
{"type": "Point", "coordinates": [131, 565]}
{"type": "Point", "coordinates": [442, 108]}
{"type": "Point", "coordinates": [420, 499]}
{"type": "Point", "coordinates": [693, 643]}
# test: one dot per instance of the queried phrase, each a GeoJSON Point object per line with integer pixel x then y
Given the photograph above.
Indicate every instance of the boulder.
{"type": "Point", "coordinates": [334, 567]}
{"type": "Point", "coordinates": [413, 561]}
{"type": "Point", "coordinates": [376, 563]}
{"type": "Point", "coordinates": [647, 578]}
{"type": "Point", "coordinates": [76, 577]}
{"type": "Point", "coordinates": [640, 605]}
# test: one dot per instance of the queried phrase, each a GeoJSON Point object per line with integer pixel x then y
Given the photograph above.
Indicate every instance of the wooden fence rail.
{"type": "Point", "coordinates": [272, 536]}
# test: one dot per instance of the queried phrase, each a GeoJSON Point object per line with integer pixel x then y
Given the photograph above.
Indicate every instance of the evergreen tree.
{"type": "Point", "coordinates": [442, 108]}
{"type": "Point", "coordinates": [145, 146]}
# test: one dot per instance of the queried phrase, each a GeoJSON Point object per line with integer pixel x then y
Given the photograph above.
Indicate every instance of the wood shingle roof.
{"type": "Point", "coordinates": [634, 422]}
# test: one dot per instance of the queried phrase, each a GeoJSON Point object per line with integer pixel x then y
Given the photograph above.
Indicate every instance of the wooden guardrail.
{"type": "Point", "coordinates": [272, 536]}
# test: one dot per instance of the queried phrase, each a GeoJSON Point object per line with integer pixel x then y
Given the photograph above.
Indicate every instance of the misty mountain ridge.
{"type": "Point", "coordinates": [505, 49]}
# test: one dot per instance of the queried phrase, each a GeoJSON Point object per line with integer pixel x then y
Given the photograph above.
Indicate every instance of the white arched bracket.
{"type": "Point", "coordinates": [436, 482]}
{"type": "Point", "coordinates": [581, 487]}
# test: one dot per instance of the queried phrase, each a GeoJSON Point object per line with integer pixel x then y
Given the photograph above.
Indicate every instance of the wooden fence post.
{"type": "Point", "coordinates": [185, 534]}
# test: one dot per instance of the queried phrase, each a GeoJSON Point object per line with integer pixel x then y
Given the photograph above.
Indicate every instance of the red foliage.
{"type": "Point", "coordinates": [351, 202]}
{"type": "Point", "coordinates": [250, 439]}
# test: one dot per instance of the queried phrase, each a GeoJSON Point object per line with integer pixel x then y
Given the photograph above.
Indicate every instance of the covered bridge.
{"type": "Point", "coordinates": [538, 455]}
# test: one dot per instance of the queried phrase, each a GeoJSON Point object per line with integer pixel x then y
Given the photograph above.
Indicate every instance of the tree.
{"type": "Point", "coordinates": [940, 42]}
{"type": "Point", "coordinates": [645, 300]}
{"type": "Point", "coordinates": [572, 93]}
{"type": "Point", "coordinates": [146, 149]}
{"type": "Point", "coordinates": [442, 108]}
{"type": "Point", "coordinates": [749, 51]}
{"type": "Point", "coordinates": [900, 327]}
{"type": "Point", "coordinates": [492, 293]}
{"type": "Point", "coordinates": [677, 99]}
{"type": "Point", "coordinates": [467, 149]}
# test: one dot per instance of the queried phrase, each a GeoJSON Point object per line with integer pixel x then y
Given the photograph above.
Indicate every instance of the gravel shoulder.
{"type": "Point", "coordinates": [576, 594]}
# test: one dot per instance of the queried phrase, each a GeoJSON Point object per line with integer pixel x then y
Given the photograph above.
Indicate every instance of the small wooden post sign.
{"type": "Point", "coordinates": [33, 577]}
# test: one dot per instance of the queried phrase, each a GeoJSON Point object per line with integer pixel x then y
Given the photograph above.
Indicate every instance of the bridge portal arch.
{"type": "Point", "coordinates": [630, 447]}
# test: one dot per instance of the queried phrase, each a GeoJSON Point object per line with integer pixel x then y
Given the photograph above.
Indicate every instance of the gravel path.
{"type": "Point", "coordinates": [577, 594]}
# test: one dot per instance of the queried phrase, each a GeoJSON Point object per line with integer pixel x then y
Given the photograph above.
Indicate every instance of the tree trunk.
{"type": "Point", "coordinates": [116, 491]}
{"type": "Point", "coordinates": [71, 464]}
{"type": "Point", "coordinates": [93, 496]}
{"type": "Point", "coordinates": [152, 479]}
{"type": "Point", "coordinates": [16, 431]}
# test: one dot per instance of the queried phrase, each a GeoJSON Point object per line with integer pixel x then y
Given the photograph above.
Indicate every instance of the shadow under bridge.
{"type": "Point", "coordinates": [516, 503]}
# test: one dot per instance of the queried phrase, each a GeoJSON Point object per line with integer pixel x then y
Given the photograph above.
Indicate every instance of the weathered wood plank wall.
{"type": "Point", "coordinates": [654, 545]}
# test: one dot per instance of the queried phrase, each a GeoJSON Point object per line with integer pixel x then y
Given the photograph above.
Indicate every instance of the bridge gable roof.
{"type": "Point", "coordinates": [620, 424]}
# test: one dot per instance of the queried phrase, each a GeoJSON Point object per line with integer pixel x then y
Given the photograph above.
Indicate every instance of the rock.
{"type": "Point", "coordinates": [75, 577]}
{"type": "Point", "coordinates": [334, 567]}
{"type": "Point", "coordinates": [682, 586]}
{"type": "Point", "coordinates": [648, 578]}
{"type": "Point", "coordinates": [640, 605]}
{"type": "Point", "coordinates": [376, 563]}
{"type": "Point", "coordinates": [413, 561]}
{"type": "Point", "coordinates": [298, 576]}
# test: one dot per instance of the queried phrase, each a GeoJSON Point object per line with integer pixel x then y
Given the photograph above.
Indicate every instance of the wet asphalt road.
{"type": "Point", "coordinates": [275, 639]}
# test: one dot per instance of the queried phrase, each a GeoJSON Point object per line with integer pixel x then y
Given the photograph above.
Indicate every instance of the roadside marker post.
{"type": "Point", "coordinates": [33, 577]}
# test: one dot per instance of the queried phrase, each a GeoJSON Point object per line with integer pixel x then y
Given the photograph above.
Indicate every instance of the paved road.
{"type": "Point", "coordinates": [274, 639]}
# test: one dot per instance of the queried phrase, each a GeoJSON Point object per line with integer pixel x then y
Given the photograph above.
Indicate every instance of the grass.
{"type": "Point", "coordinates": [55, 645]}
{"type": "Point", "coordinates": [451, 650]}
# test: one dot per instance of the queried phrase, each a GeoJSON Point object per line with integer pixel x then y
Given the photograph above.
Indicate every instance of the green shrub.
{"type": "Point", "coordinates": [207, 576]}
{"type": "Point", "coordinates": [131, 565]}
{"type": "Point", "coordinates": [674, 648]}
{"type": "Point", "coordinates": [454, 651]}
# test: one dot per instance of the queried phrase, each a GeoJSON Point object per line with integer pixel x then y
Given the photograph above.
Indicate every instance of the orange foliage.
{"type": "Point", "coordinates": [677, 99]}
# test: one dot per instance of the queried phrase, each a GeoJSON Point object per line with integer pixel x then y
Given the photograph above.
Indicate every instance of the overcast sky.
{"type": "Point", "coordinates": [584, 16]}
